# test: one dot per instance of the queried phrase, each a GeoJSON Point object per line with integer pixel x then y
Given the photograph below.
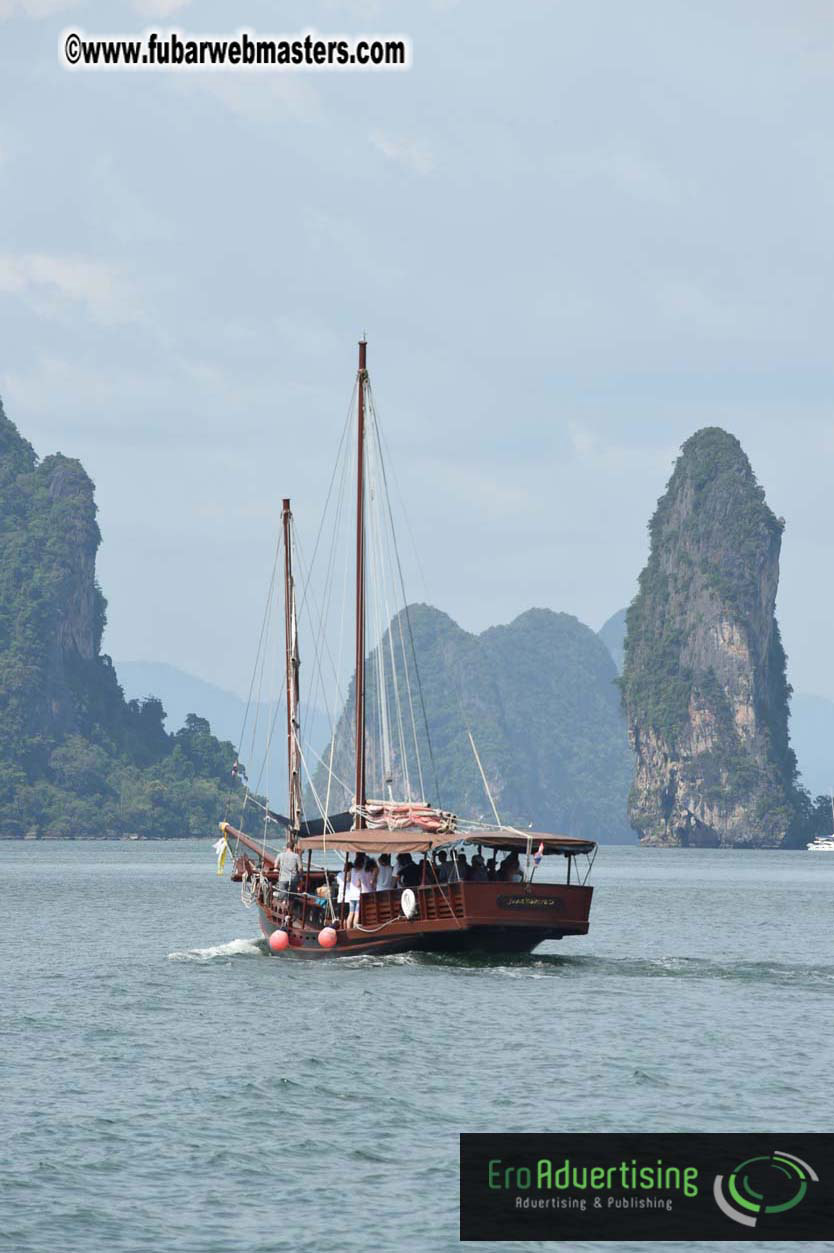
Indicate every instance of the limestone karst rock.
{"type": "Point", "coordinates": [76, 758]}
{"type": "Point", "coordinates": [704, 681]}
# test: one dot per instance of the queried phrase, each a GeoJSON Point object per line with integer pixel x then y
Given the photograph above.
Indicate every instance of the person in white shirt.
{"type": "Point", "coordinates": [385, 873]}
{"type": "Point", "coordinates": [510, 869]}
{"type": "Point", "coordinates": [358, 882]}
{"type": "Point", "coordinates": [340, 884]}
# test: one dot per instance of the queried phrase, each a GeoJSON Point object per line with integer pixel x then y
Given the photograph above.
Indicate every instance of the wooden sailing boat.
{"type": "Point", "coordinates": [501, 914]}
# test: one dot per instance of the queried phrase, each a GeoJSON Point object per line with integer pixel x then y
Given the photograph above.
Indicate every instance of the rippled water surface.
{"type": "Point", "coordinates": [167, 1085]}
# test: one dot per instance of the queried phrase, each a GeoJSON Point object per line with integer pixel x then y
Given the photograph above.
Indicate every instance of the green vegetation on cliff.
{"type": "Point", "coordinates": [704, 681]}
{"type": "Point", "coordinates": [709, 537]}
{"type": "Point", "coordinates": [76, 758]}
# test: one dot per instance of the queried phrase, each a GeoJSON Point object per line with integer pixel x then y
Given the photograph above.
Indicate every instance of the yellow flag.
{"type": "Point", "coordinates": [221, 848]}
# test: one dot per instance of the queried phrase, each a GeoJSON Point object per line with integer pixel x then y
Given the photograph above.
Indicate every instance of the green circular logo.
{"type": "Point", "coordinates": [771, 1184]}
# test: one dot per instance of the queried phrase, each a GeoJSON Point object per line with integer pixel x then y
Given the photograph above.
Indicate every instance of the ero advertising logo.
{"type": "Point", "coordinates": [647, 1187]}
{"type": "Point", "coordinates": [763, 1185]}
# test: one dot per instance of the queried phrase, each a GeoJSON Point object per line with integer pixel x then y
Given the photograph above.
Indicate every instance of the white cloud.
{"type": "Point", "coordinates": [626, 169]}
{"type": "Point", "coordinates": [719, 314]}
{"type": "Point", "coordinates": [93, 389]}
{"type": "Point", "coordinates": [613, 459]}
{"type": "Point", "coordinates": [49, 284]}
{"type": "Point", "coordinates": [413, 154]}
{"type": "Point", "coordinates": [159, 8]}
{"type": "Point", "coordinates": [33, 8]}
{"type": "Point", "coordinates": [357, 10]}
{"type": "Point", "coordinates": [256, 97]}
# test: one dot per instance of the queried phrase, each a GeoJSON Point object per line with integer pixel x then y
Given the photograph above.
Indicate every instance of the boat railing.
{"type": "Point", "coordinates": [434, 902]}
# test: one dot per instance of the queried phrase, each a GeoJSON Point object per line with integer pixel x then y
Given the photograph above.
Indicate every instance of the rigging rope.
{"type": "Point", "coordinates": [483, 776]}
{"type": "Point", "coordinates": [393, 639]}
{"type": "Point", "coordinates": [377, 429]}
{"type": "Point", "coordinates": [319, 632]}
{"type": "Point", "coordinates": [379, 603]}
{"type": "Point", "coordinates": [388, 635]}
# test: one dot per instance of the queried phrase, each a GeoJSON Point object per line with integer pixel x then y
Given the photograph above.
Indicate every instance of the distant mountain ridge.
{"type": "Point", "coordinates": [541, 699]}
{"type": "Point", "coordinates": [182, 693]}
{"type": "Point", "coordinates": [613, 634]}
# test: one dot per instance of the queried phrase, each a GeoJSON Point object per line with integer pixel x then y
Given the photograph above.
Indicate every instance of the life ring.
{"type": "Point", "coordinates": [408, 903]}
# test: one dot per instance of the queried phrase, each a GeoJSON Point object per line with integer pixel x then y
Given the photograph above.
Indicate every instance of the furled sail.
{"type": "Point", "coordinates": [397, 815]}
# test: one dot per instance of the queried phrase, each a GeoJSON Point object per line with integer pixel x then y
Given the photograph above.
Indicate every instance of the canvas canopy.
{"type": "Point", "coordinates": [511, 841]}
{"type": "Point", "coordinates": [381, 841]}
{"type": "Point", "coordinates": [378, 841]}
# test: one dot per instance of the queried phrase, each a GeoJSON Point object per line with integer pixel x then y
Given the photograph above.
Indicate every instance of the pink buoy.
{"type": "Point", "coordinates": [328, 937]}
{"type": "Point", "coordinates": [278, 940]}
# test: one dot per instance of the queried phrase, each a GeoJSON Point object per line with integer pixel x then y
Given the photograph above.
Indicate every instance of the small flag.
{"type": "Point", "coordinates": [221, 848]}
{"type": "Point", "coordinates": [539, 853]}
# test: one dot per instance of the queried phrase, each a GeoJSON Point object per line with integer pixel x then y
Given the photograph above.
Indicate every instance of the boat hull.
{"type": "Point", "coordinates": [456, 918]}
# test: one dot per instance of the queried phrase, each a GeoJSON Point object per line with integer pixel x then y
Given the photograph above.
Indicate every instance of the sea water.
{"type": "Point", "coordinates": [166, 1084]}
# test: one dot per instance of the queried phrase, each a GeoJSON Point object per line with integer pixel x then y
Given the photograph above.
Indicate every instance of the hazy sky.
{"type": "Point", "coordinates": [575, 233]}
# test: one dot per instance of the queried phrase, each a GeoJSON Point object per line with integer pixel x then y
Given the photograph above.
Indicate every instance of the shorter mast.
{"type": "Point", "coordinates": [292, 664]}
{"type": "Point", "coordinates": [359, 798]}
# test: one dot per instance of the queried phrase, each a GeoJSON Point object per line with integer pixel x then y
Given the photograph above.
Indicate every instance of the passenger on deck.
{"type": "Point", "coordinates": [442, 869]}
{"type": "Point", "coordinates": [288, 866]}
{"type": "Point", "coordinates": [359, 881]}
{"type": "Point", "coordinates": [478, 871]}
{"type": "Point", "coordinates": [384, 874]}
{"type": "Point", "coordinates": [340, 883]}
{"type": "Point", "coordinates": [510, 870]}
{"type": "Point", "coordinates": [492, 867]}
{"type": "Point", "coordinates": [461, 867]}
{"type": "Point", "coordinates": [373, 870]}
{"type": "Point", "coordinates": [408, 872]}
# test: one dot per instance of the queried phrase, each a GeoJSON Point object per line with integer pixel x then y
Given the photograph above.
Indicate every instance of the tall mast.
{"type": "Point", "coordinates": [360, 587]}
{"type": "Point", "coordinates": [292, 663]}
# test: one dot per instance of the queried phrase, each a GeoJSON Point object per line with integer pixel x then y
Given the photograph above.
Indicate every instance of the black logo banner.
{"type": "Point", "coordinates": [647, 1187]}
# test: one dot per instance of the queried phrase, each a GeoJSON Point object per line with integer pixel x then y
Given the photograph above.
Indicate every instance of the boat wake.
{"type": "Point", "coordinates": [575, 965]}
{"type": "Point", "coordinates": [793, 975]}
{"type": "Point", "coordinates": [234, 948]}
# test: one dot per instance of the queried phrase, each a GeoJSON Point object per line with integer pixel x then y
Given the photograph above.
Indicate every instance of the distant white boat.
{"type": "Point", "coordinates": [823, 843]}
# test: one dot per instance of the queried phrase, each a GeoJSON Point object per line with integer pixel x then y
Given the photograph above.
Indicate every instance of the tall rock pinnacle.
{"type": "Point", "coordinates": [704, 681]}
